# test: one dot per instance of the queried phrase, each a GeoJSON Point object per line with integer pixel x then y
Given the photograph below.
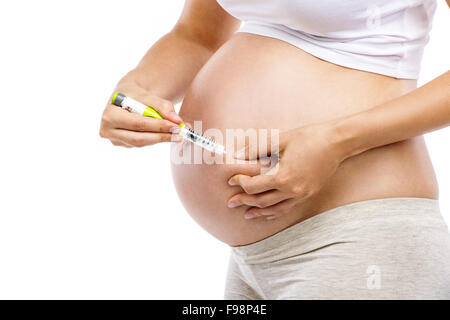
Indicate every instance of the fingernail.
{"type": "Point", "coordinates": [231, 182]}
{"type": "Point", "coordinates": [174, 129]}
{"type": "Point", "coordinates": [175, 117]}
{"type": "Point", "coordinates": [240, 154]}
{"type": "Point", "coordinates": [249, 215]}
{"type": "Point", "coordinates": [232, 204]}
{"type": "Point", "coordinates": [270, 217]}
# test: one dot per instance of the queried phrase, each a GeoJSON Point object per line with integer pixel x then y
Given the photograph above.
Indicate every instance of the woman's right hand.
{"type": "Point", "coordinates": [128, 129]}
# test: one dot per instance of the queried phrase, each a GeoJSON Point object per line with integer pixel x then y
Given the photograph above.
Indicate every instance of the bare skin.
{"type": "Point", "coordinates": [230, 92]}
{"type": "Point", "coordinates": [163, 75]}
{"type": "Point", "coordinates": [347, 135]}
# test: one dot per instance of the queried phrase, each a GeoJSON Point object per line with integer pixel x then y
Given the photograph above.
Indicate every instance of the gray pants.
{"type": "Point", "coordinates": [395, 248]}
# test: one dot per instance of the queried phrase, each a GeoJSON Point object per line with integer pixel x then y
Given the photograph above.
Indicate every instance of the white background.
{"type": "Point", "coordinates": [80, 218]}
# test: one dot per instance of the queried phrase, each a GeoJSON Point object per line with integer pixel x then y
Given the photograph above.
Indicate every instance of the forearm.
{"type": "Point", "coordinates": [422, 110]}
{"type": "Point", "coordinates": [169, 66]}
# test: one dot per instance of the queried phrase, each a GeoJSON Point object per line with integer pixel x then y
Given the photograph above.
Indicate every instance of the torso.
{"type": "Point", "coordinates": [259, 82]}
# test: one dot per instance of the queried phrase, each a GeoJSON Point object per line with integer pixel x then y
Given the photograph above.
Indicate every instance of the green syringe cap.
{"type": "Point", "coordinates": [118, 98]}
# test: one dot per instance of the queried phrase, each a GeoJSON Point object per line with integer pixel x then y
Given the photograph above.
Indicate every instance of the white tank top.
{"type": "Point", "coordinates": [381, 36]}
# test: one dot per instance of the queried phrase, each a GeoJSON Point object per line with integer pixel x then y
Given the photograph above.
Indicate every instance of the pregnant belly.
{"type": "Point", "coordinates": [255, 82]}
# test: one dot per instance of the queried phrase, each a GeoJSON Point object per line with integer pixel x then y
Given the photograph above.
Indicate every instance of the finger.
{"type": "Point", "coordinates": [118, 143]}
{"type": "Point", "coordinates": [256, 184]}
{"type": "Point", "coordinates": [164, 107]}
{"type": "Point", "coordinates": [140, 139]}
{"type": "Point", "coordinates": [271, 212]}
{"type": "Point", "coordinates": [266, 162]}
{"type": "Point", "coordinates": [261, 200]}
{"type": "Point", "coordinates": [122, 119]}
{"type": "Point", "coordinates": [266, 146]}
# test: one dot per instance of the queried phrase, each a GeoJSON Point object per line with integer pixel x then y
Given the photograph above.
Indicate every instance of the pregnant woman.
{"type": "Point", "coordinates": [350, 210]}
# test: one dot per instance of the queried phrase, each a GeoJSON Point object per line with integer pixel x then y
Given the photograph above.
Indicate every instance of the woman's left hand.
{"type": "Point", "coordinates": [308, 157]}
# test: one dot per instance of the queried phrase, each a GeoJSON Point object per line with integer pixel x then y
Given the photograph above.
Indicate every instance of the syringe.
{"type": "Point", "coordinates": [127, 103]}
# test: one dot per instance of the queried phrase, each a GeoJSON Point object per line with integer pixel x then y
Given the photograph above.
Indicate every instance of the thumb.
{"type": "Point", "coordinates": [167, 110]}
{"type": "Point", "coordinates": [270, 146]}
{"type": "Point", "coordinates": [164, 107]}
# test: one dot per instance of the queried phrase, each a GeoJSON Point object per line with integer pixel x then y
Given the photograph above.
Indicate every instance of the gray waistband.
{"type": "Point", "coordinates": [351, 218]}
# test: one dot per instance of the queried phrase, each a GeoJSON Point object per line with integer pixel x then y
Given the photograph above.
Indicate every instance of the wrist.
{"type": "Point", "coordinates": [345, 136]}
{"type": "Point", "coordinates": [132, 78]}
